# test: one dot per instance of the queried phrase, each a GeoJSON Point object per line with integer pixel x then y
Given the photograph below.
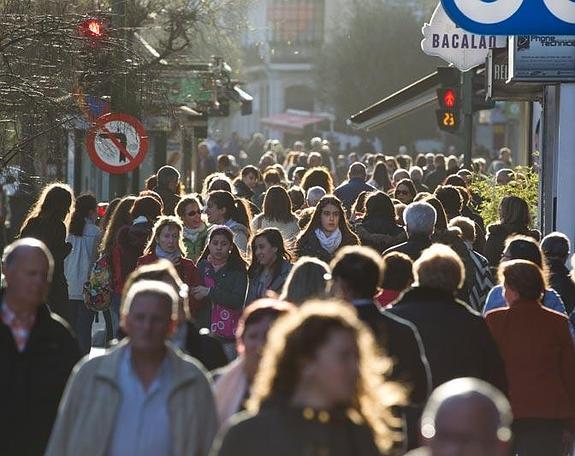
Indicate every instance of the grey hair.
{"type": "Point", "coordinates": [416, 174]}
{"type": "Point", "coordinates": [155, 288]}
{"type": "Point", "coordinates": [468, 388]}
{"type": "Point", "coordinates": [315, 194]}
{"type": "Point", "coordinates": [420, 218]}
{"type": "Point", "coordinates": [11, 253]}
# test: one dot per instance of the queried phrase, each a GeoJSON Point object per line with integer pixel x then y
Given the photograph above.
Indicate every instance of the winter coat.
{"type": "Point", "coordinates": [131, 241]}
{"type": "Point", "coordinates": [455, 338]}
{"type": "Point", "coordinates": [186, 270]}
{"type": "Point", "coordinates": [413, 247]}
{"type": "Point", "coordinates": [194, 249]}
{"type": "Point", "coordinates": [380, 233]}
{"type": "Point", "coordinates": [288, 230]}
{"type": "Point", "coordinates": [53, 234]}
{"type": "Point", "coordinates": [539, 359]}
{"type": "Point", "coordinates": [276, 284]}
{"type": "Point", "coordinates": [93, 396]}
{"type": "Point", "coordinates": [561, 282]}
{"type": "Point", "coordinates": [309, 245]}
{"type": "Point", "coordinates": [169, 199]}
{"type": "Point", "coordinates": [229, 290]}
{"type": "Point", "coordinates": [281, 430]}
{"type": "Point", "coordinates": [350, 190]}
{"type": "Point", "coordinates": [497, 234]}
{"type": "Point", "coordinates": [32, 382]}
{"type": "Point", "coordinates": [78, 263]}
{"type": "Point", "coordinates": [399, 339]}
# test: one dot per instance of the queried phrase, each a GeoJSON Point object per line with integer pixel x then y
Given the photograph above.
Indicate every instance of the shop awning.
{"type": "Point", "coordinates": [415, 96]}
{"type": "Point", "coordinates": [293, 122]}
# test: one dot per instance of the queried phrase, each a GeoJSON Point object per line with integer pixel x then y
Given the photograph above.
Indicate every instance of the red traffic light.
{"type": "Point", "coordinates": [92, 28]}
{"type": "Point", "coordinates": [449, 98]}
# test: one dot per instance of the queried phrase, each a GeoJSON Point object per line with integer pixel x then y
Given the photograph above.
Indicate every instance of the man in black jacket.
{"type": "Point", "coordinates": [356, 272]}
{"type": "Point", "coordinates": [456, 339]}
{"type": "Point", "coordinates": [419, 221]}
{"type": "Point", "coordinates": [556, 249]}
{"type": "Point", "coordinates": [37, 351]}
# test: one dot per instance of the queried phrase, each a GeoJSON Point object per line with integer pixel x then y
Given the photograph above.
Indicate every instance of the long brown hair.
{"type": "Point", "coordinates": [54, 205]}
{"type": "Point", "coordinates": [348, 237]}
{"type": "Point", "coordinates": [120, 217]}
{"type": "Point", "coordinates": [299, 335]}
{"type": "Point", "coordinates": [277, 205]}
{"type": "Point", "coordinates": [275, 239]}
{"type": "Point", "coordinates": [235, 259]}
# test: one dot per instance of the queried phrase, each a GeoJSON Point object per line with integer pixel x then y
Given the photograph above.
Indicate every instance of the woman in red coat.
{"type": "Point", "coordinates": [167, 241]}
{"type": "Point", "coordinates": [539, 357]}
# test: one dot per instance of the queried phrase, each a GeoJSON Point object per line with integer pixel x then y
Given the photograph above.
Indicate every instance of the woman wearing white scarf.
{"type": "Point", "coordinates": [166, 242]}
{"type": "Point", "coordinates": [233, 382]}
{"type": "Point", "coordinates": [327, 231]}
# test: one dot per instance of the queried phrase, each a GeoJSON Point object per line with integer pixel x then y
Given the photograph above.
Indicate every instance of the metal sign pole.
{"type": "Point", "coordinates": [467, 134]}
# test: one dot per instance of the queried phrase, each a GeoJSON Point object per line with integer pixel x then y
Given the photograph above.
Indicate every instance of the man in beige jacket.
{"type": "Point", "coordinates": [142, 398]}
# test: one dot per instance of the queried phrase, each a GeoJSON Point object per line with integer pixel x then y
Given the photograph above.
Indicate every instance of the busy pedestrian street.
{"type": "Point", "coordinates": [287, 228]}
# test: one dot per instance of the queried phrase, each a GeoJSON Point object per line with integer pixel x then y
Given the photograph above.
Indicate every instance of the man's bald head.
{"type": "Point", "coordinates": [26, 249]}
{"type": "Point", "coordinates": [469, 415]}
{"type": "Point", "coordinates": [357, 169]}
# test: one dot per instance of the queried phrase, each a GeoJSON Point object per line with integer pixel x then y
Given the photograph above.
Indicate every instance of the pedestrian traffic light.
{"type": "Point", "coordinates": [449, 99]}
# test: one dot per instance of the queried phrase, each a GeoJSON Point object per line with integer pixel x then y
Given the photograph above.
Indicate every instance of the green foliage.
{"type": "Point", "coordinates": [525, 186]}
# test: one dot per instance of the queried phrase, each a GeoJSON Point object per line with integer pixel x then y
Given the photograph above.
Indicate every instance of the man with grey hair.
{"type": "Point", "coordinates": [37, 350]}
{"type": "Point", "coordinates": [466, 417]}
{"type": "Point", "coordinates": [314, 194]}
{"type": "Point", "coordinates": [419, 220]}
{"type": "Point", "coordinates": [143, 397]}
{"type": "Point", "coordinates": [168, 183]}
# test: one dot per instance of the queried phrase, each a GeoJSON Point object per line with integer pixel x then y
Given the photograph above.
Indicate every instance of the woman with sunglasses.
{"type": "Point", "coordinates": [189, 210]}
{"type": "Point", "coordinates": [405, 191]}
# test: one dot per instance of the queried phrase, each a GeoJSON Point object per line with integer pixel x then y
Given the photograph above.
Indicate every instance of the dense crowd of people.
{"type": "Point", "coordinates": [290, 308]}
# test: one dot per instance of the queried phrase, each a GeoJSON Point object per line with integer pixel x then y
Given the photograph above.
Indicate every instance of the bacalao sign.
{"type": "Point", "coordinates": [442, 38]}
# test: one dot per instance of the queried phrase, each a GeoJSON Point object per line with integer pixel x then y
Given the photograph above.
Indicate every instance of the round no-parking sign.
{"type": "Point", "coordinates": [117, 143]}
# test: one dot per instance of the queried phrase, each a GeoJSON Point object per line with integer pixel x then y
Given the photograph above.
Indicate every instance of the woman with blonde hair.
{"type": "Point", "coordinates": [167, 242]}
{"type": "Point", "coordinates": [320, 389]}
{"type": "Point", "coordinates": [48, 221]}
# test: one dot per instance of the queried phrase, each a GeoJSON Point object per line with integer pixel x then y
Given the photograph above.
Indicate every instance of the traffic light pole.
{"type": "Point", "coordinates": [467, 133]}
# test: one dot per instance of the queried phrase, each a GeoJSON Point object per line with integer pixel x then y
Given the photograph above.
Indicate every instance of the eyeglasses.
{"type": "Point", "coordinates": [192, 213]}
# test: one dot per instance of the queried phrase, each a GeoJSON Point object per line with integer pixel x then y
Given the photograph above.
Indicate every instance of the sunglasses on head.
{"type": "Point", "coordinates": [192, 213]}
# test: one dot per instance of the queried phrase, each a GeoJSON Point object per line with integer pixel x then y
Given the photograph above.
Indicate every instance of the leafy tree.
{"type": "Point", "coordinates": [46, 64]}
{"type": "Point", "coordinates": [377, 53]}
{"type": "Point", "coordinates": [525, 186]}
